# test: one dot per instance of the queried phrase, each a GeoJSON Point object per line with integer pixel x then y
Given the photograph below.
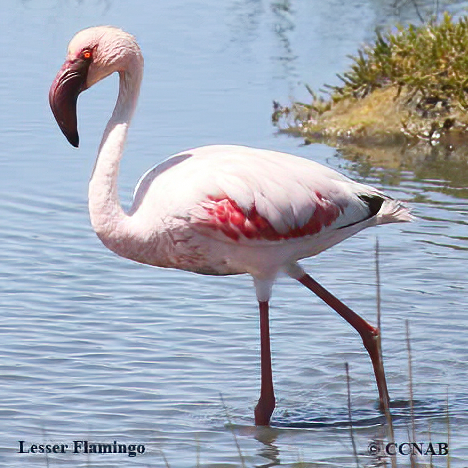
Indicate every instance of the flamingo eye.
{"type": "Point", "coordinates": [86, 54]}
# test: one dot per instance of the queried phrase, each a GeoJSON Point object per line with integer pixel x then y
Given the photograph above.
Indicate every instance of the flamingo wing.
{"type": "Point", "coordinates": [243, 194]}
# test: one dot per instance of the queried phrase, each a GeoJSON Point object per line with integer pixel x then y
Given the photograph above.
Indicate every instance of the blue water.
{"type": "Point", "coordinates": [94, 347]}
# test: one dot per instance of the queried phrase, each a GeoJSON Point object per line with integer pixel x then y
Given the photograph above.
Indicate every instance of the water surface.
{"type": "Point", "coordinates": [95, 347]}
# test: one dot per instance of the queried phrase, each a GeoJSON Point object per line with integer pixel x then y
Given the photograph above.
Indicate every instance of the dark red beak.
{"type": "Point", "coordinates": [68, 84]}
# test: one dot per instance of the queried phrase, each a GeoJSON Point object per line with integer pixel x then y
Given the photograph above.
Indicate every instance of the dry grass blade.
{"type": "Point", "coordinates": [448, 429]}
{"type": "Point", "coordinates": [239, 451]}
{"type": "Point", "coordinates": [377, 278]}
{"type": "Point", "coordinates": [350, 417]}
{"type": "Point", "coordinates": [411, 395]}
{"type": "Point", "coordinates": [166, 462]}
{"type": "Point", "coordinates": [388, 414]}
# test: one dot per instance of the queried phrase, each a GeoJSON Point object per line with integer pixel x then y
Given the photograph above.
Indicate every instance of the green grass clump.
{"type": "Point", "coordinates": [412, 82]}
{"type": "Point", "coordinates": [430, 59]}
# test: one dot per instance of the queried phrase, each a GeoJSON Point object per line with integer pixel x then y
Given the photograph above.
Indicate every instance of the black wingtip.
{"type": "Point", "coordinates": [374, 202]}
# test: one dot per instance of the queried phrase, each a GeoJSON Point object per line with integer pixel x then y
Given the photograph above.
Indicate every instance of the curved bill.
{"type": "Point", "coordinates": [63, 94]}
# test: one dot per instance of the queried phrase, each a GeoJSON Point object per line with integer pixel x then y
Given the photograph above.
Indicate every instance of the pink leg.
{"type": "Point", "coordinates": [266, 403]}
{"type": "Point", "coordinates": [370, 335]}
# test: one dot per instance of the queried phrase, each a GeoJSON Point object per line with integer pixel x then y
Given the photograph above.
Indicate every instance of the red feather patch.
{"type": "Point", "coordinates": [226, 216]}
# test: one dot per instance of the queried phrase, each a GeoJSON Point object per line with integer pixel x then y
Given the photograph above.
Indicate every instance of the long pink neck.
{"type": "Point", "coordinates": [107, 215]}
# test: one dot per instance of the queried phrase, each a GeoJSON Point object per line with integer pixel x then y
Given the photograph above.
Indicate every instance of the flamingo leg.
{"type": "Point", "coordinates": [266, 402]}
{"type": "Point", "coordinates": [369, 334]}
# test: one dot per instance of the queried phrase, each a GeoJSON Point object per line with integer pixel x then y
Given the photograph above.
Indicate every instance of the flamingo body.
{"type": "Point", "coordinates": [222, 215]}
{"type": "Point", "coordinates": [218, 210]}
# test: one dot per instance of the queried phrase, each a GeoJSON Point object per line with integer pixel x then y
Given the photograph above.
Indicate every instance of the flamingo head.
{"type": "Point", "coordinates": [93, 54]}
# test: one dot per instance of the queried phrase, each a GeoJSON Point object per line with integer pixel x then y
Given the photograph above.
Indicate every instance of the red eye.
{"type": "Point", "coordinates": [86, 54]}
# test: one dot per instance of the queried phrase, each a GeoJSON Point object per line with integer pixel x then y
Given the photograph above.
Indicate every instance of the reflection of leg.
{"type": "Point", "coordinates": [266, 402]}
{"type": "Point", "coordinates": [369, 334]}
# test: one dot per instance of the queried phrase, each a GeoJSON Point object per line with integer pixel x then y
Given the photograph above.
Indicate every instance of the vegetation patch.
{"type": "Point", "coordinates": [409, 86]}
